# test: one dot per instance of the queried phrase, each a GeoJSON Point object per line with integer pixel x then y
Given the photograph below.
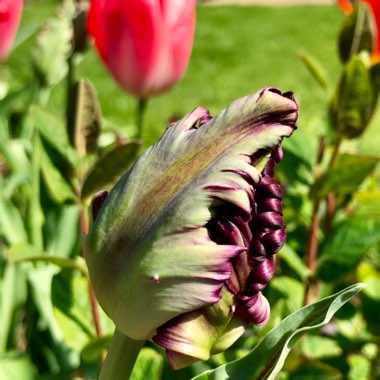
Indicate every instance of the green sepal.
{"type": "Point", "coordinates": [356, 34]}
{"type": "Point", "coordinates": [352, 104]}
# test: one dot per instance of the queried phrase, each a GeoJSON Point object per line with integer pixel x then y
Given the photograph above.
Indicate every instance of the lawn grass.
{"type": "Point", "coordinates": [237, 50]}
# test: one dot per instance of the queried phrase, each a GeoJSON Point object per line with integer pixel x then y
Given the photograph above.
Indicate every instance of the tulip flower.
{"type": "Point", "coordinates": [10, 13]}
{"type": "Point", "coordinates": [182, 247]}
{"type": "Point", "coordinates": [146, 45]}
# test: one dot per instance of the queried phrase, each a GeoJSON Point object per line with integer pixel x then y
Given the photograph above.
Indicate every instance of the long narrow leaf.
{"type": "Point", "coordinates": [267, 358]}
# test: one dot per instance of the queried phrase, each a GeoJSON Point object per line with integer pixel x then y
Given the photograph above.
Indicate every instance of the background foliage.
{"type": "Point", "coordinates": [47, 327]}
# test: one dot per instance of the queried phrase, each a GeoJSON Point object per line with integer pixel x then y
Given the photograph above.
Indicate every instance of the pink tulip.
{"type": "Point", "coordinates": [10, 13]}
{"type": "Point", "coordinates": [146, 44]}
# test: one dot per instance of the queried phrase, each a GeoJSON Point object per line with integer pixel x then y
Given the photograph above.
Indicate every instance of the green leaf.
{"type": "Point", "coordinates": [28, 253]}
{"type": "Point", "coordinates": [53, 47]}
{"type": "Point", "coordinates": [316, 371]}
{"type": "Point", "coordinates": [368, 274]}
{"type": "Point", "coordinates": [375, 80]}
{"type": "Point", "coordinates": [149, 365]}
{"type": "Point", "coordinates": [13, 293]}
{"type": "Point", "coordinates": [15, 366]}
{"type": "Point", "coordinates": [345, 246]}
{"type": "Point", "coordinates": [58, 187]}
{"type": "Point", "coordinates": [367, 203]}
{"type": "Point", "coordinates": [315, 69]}
{"type": "Point", "coordinates": [84, 117]}
{"type": "Point", "coordinates": [94, 349]}
{"type": "Point", "coordinates": [267, 358]}
{"type": "Point", "coordinates": [12, 226]}
{"type": "Point", "coordinates": [47, 122]}
{"type": "Point", "coordinates": [294, 261]}
{"type": "Point", "coordinates": [62, 231]}
{"type": "Point", "coordinates": [290, 290]}
{"type": "Point", "coordinates": [72, 309]}
{"type": "Point", "coordinates": [360, 367]}
{"type": "Point", "coordinates": [345, 177]}
{"type": "Point", "coordinates": [108, 168]}
{"type": "Point", "coordinates": [318, 347]}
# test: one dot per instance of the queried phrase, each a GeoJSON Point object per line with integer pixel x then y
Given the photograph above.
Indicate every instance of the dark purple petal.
{"type": "Point", "coordinates": [269, 219]}
{"type": "Point", "coordinates": [274, 241]}
{"type": "Point", "coordinates": [271, 204]}
{"type": "Point", "coordinates": [262, 272]}
{"type": "Point", "coordinates": [97, 203]}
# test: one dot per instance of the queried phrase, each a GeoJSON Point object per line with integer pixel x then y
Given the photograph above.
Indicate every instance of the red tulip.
{"type": "Point", "coordinates": [345, 5]}
{"type": "Point", "coordinates": [10, 12]}
{"type": "Point", "coordinates": [374, 6]}
{"type": "Point", "coordinates": [146, 44]}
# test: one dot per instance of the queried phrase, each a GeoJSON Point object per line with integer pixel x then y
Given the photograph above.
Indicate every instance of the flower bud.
{"type": "Point", "coordinates": [183, 245]}
{"type": "Point", "coordinates": [353, 104]}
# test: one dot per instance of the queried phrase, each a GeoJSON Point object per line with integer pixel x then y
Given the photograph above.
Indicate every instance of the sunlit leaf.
{"type": "Point", "coordinates": [93, 349]}
{"type": "Point", "coordinates": [267, 358]}
{"type": "Point", "coordinates": [108, 168]}
{"type": "Point", "coordinates": [16, 366]}
{"type": "Point", "coordinates": [315, 69]}
{"type": "Point", "coordinates": [84, 117]}
{"type": "Point", "coordinates": [345, 246]}
{"type": "Point", "coordinates": [345, 177]}
{"type": "Point", "coordinates": [28, 253]}
{"type": "Point", "coordinates": [148, 365]}
{"type": "Point", "coordinates": [53, 47]}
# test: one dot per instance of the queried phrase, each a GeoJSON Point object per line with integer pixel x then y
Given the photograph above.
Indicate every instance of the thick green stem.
{"type": "Point", "coordinates": [140, 111]}
{"type": "Point", "coordinates": [36, 217]}
{"type": "Point", "coordinates": [121, 357]}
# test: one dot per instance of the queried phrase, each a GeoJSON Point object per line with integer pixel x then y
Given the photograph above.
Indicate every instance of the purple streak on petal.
{"type": "Point", "coordinates": [205, 118]}
{"type": "Point", "coordinates": [225, 232]}
{"type": "Point", "coordinates": [243, 227]}
{"type": "Point", "coordinates": [289, 95]}
{"type": "Point", "coordinates": [97, 203]}
{"type": "Point", "coordinates": [279, 154]}
{"type": "Point", "coordinates": [241, 173]}
{"type": "Point", "coordinates": [198, 115]}
{"type": "Point", "coordinates": [242, 269]}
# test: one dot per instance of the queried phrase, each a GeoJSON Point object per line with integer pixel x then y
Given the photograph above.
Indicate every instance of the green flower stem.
{"type": "Point", "coordinates": [36, 217]}
{"type": "Point", "coordinates": [330, 199]}
{"type": "Point", "coordinates": [121, 357]}
{"type": "Point", "coordinates": [312, 246]}
{"type": "Point", "coordinates": [312, 243]}
{"type": "Point", "coordinates": [140, 111]}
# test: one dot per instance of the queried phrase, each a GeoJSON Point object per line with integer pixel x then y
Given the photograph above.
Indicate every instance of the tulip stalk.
{"type": "Point", "coordinates": [121, 358]}
{"type": "Point", "coordinates": [140, 112]}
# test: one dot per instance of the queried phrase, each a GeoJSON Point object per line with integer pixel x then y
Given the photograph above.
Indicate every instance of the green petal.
{"type": "Point", "coordinates": [196, 335]}
{"type": "Point", "coordinates": [149, 253]}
